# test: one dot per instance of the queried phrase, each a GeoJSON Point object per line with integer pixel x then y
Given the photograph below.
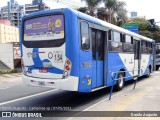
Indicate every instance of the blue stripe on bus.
{"type": "Point", "coordinates": [38, 63]}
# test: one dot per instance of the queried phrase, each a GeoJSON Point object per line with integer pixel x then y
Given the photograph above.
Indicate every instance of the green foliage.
{"type": "Point", "coordinates": [142, 23]}
{"type": "Point", "coordinates": [144, 28]}
{"type": "Point", "coordinates": [82, 9]}
{"type": "Point", "coordinates": [11, 71]}
{"type": "Point", "coordinates": [91, 7]}
{"type": "Point", "coordinates": [112, 8]}
{"type": "Point", "coordinates": [92, 3]}
{"type": "Point", "coordinates": [110, 4]}
{"type": "Point", "coordinates": [116, 8]}
{"type": "Point", "coordinates": [146, 33]}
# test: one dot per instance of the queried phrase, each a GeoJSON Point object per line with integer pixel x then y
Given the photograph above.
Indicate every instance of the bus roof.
{"type": "Point", "coordinates": [114, 27]}
{"type": "Point", "coordinates": [91, 19]}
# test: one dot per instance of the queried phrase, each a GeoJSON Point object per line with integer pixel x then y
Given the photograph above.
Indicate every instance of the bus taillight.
{"type": "Point", "coordinates": [67, 68]}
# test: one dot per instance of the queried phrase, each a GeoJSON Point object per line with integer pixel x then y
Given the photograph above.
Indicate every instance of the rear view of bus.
{"type": "Point", "coordinates": [44, 62]}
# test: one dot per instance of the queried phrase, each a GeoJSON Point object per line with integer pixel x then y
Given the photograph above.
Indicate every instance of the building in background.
{"type": "Point", "coordinates": [8, 33]}
{"type": "Point", "coordinates": [37, 5]}
{"type": "Point", "coordinates": [13, 12]}
{"type": "Point", "coordinates": [133, 14]}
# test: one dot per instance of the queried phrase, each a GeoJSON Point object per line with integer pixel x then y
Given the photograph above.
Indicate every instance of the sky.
{"type": "Point", "coordinates": [147, 8]}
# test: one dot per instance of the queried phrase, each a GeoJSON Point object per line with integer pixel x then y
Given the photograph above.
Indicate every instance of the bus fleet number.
{"type": "Point", "coordinates": [57, 56]}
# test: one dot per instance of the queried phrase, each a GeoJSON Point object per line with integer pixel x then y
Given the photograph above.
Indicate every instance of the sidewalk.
{"type": "Point", "coordinates": [146, 97]}
{"type": "Point", "coordinates": [14, 77]}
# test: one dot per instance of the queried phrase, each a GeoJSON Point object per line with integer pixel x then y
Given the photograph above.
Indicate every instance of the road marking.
{"type": "Point", "coordinates": [30, 96]}
{"type": "Point", "coordinates": [10, 86]}
{"type": "Point", "coordinates": [108, 98]}
{"type": "Point", "coordinates": [93, 106]}
{"type": "Point", "coordinates": [4, 88]}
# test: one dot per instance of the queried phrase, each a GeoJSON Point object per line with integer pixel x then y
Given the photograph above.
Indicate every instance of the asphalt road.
{"type": "Point", "coordinates": [20, 96]}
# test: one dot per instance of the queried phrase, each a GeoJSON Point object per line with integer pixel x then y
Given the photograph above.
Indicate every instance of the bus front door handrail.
{"type": "Point", "coordinates": [114, 78]}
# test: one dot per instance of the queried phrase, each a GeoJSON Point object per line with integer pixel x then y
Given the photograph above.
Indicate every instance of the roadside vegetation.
{"type": "Point", "coordinates": [115, 12]}
{"type": "Point", "coordinates": [17, 70]}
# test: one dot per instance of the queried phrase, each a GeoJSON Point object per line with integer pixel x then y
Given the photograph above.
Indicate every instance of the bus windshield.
{"type": "Point", "coordinates": [44, 31]}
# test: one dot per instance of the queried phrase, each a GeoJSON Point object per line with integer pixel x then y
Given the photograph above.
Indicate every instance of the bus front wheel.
{"type": "Point", "coordinates": [120, 82]}
{"type": "Point", "coordinates": [149, 73]}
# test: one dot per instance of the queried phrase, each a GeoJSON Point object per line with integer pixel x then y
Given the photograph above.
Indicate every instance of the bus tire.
{"type": "Point", "coordinates": [149, 73]}
{"type": "Point", "coordinates": [120, 82]}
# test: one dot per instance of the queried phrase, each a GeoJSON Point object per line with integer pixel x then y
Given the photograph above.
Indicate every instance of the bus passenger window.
{"type": "Point", "coordinates": [85, 41]}
{"type": "Point", "coordinates": [146, 47]}
{"type": "Point", "coordinates": [100, 48]}
{"type": "Point", "coordinates": [128, 44]}
{"type": "Point", "coordinates": [157, 49]}
{"type": "Point", "coordinates": [115, 45]}
{"type": "Point", "coordinates": [93, 38]}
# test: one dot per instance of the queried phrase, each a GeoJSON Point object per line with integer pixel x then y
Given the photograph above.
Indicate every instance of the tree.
{"type": "Point", "coordinates": [144, 28]}
{"type": "Point", "coordinates": [142, 23]}
{"type": "Point", "coordinates": [115, 10]}
{"type": "Point", "coordinates": [91, 8]}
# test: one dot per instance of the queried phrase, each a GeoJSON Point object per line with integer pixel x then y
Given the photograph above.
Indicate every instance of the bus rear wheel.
{"type": "Point", "coordinates": [120, 82]}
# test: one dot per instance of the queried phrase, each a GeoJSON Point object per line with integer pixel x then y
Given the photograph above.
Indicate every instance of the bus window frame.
{"type": "Point", "coordinates": [112, 41]}
{"type": "Point", "coordinates": [146, 47]}
{"type": "Point", "coordinates": [130, 43]}
{"type": "Point", "coordinates": [89, 49]}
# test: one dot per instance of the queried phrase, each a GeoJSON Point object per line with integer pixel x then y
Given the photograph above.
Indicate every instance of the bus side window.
{"type": "Point", "coordinates": [115, 41]}
{"type": "Point", "coordinates": [115, 45]}
{"type": "Point", "coordinates": [85, 41]}
{"type": "Point", "coordinates": [93, 38]}
{"type": "Point", "coordinates": [150, 48]}
{"type": "Point", "coordinates": [100, 43]}
{"type": "Point", "coordinates": [157, 49]}
{"type": "Point", "coordinates": [145, 47]}
{"type": "Point", "coordinates": [128, 44]}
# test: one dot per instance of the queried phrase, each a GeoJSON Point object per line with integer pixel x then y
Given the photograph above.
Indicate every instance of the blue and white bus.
{"type": "Point", "coordinates": [66, 49]}
{"type": "Point", "coordinates": [157, 56]}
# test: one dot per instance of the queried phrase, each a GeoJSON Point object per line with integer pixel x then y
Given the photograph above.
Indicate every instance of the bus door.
{"type": "Point", "coordinates": [98, 45]}
{"type": "Point", "coordinates": [136, 57]}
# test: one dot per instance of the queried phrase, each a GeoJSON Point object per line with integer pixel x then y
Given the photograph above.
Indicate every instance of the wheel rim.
{"type": "Point", "coordinates": [148, 72]}
{"type": "Point", "coordinates": [120, 80]}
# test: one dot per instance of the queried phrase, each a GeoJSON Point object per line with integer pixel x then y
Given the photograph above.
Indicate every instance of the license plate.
{"type": "Point", "coordinates": [43, 70]}
{"type": "Point", "coordinates": [41, 83]}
